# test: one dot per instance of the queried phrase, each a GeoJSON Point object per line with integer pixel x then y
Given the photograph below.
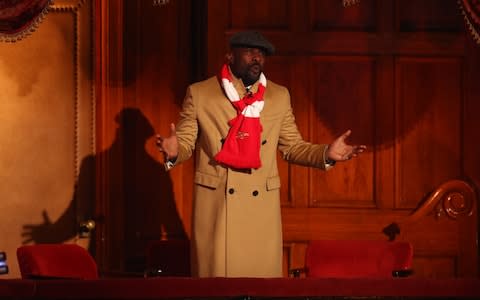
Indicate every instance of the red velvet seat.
{"type": "Point", "coordinates": [358, 258]}
{"type": "Point", "coordinates": [56, 261]}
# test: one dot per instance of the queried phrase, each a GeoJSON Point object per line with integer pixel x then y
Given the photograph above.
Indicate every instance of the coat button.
{"type": "Point", "coordinates": [255, 193]}
{"type": "Point", "coordinates": [231, 191]}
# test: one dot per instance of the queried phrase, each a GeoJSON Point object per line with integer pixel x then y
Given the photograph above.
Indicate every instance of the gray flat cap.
{"type": "Point", "coordinates": [251, 39]}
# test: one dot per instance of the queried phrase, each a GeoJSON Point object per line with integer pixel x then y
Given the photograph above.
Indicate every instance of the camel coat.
{"type": "Point", "coordinates": [237, 230]}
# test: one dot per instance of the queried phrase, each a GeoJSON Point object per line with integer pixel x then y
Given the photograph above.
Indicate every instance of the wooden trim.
{"type": "Point", "coordinates": [109, 91]}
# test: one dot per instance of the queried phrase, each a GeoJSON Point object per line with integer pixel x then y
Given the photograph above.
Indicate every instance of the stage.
{"type": "Point", "coordinates": [239, 288]}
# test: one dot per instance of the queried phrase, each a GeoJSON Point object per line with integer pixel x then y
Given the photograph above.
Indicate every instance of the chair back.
{"type": "Point", "coordinates": [168, 258]}
{"type": "Point", "coordinates": [56, 261]}
{"type": "Point", "coordinates": [358, 258]}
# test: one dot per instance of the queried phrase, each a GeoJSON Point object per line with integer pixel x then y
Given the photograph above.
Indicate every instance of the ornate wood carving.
{"type": "Point", "coordinates": [453, 199]}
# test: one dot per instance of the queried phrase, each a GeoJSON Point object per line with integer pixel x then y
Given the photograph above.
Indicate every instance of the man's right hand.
{"type": "Point", "coordinates": [168, 145]}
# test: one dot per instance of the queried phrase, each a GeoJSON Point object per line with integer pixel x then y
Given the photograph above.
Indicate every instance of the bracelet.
{"type": "Point", "coordinates": [330, 162]}
{"type": "Point", "coordinates": [168, 165]}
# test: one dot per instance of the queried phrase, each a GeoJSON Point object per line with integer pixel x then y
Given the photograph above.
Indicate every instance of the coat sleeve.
{"type": "Point", "coordinates": [187, 128]}
{"type": "Point", "coordinates": [292, 146]}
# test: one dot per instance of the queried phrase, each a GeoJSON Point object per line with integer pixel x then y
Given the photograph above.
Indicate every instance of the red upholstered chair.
{"type": "Point", "coordinates": [357, 258]}
{"type": "Point", "coordinates": [56, 261]}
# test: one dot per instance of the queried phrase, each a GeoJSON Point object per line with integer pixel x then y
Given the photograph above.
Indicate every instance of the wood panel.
{"type": "Point", "coordinates": [428, 16]}
{"type": "Point", "coordinates": [361, 18]}
{"type": "Point", "coordinates": [394, 72]}
{"type": "Point", "coordinates": [429, 115]}
{"type": "Point", "coordinates": [145, 54]}
{"type": "Point", "coordinates": [471, 122]}
{"type": "Point", "coordinates": [269, 15]}
{"type": "Point", "coordinates": [342, 93]}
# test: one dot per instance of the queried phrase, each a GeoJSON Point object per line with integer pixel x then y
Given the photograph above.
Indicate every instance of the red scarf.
{"type": "Point", "coordinates": [241, 148]}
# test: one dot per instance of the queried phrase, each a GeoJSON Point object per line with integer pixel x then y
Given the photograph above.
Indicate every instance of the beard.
{"type": "Point", "coordinates": [251, 74]}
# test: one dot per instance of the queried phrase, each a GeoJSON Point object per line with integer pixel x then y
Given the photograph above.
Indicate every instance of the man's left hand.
{"type": "Point", "coordinates": [339, 150]}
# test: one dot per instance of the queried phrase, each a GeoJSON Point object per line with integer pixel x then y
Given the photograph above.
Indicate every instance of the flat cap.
{"type": "Point", "coordinates": [251, 39]}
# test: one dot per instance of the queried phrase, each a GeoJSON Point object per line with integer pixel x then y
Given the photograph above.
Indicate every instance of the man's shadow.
{"type": "Point", "coordinates": [139, 204]}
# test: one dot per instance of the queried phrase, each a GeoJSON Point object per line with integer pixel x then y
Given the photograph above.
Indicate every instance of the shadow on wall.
{"type": "Point", "coordinates": [140, 205]}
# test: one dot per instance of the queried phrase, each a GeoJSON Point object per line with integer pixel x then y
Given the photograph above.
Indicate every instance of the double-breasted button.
{"type": "Point", "coordinates": [255, 193]}
{"type": "Point", "coordinates": [231, 191]}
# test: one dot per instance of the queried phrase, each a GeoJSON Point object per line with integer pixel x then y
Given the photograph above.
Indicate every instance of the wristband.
{"type": "Point", "coordinates": [330, 162]}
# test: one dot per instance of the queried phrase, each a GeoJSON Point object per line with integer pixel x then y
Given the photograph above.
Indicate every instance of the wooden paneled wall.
{"type": "Point", "coordinates": [401, 74]}
{"type": "Point", "coordinates": [145, 66]}
{"type": "Point", "coordinates": [398, 73]}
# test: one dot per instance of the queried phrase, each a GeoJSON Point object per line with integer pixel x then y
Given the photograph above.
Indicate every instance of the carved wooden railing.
{"type": "Point", "coordinates": [454, 199]}
{"type": "Point", "coordinates": [443, 231]}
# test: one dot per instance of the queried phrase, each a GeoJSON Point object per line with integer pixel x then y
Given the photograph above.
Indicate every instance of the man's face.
{"type": "Point", "coordinates": [247, 64]}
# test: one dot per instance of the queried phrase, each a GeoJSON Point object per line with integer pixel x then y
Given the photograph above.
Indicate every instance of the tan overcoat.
{"type": "Point", "coordinates": [236, 222]}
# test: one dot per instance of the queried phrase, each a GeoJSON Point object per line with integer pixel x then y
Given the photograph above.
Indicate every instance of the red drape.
{"type": "Point", "coordinates": [471, 13]}
{"type": "Point", "coordinates": [18, 18]}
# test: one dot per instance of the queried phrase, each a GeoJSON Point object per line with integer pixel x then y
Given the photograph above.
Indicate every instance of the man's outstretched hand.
{"type": "Point", "coordinates": [339, 150]}
{"type": "Point", "coordinates": [168, 145]}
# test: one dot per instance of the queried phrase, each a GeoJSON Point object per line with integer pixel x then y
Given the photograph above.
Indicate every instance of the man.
{"type": "Point", "coordinates": [236, 122]}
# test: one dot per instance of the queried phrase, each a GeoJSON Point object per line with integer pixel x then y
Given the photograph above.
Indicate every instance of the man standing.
{"type": "Point", "coordinates": [236, 122]}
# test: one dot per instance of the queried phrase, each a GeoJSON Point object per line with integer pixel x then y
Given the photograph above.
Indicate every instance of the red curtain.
{"type": "Point", "coordinates": [18, 18]}
{"type": "Point", "coordinates": [471, 13]}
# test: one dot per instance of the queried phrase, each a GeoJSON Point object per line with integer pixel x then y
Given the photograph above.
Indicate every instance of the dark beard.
{"type": "Point", "coordinates": [249, 81]}
{"type": "Point", "coordinates": [250, 78]}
